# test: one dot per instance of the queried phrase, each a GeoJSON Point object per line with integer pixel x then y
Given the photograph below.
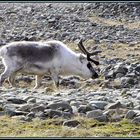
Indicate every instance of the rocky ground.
{"type": "Point", "coordinates": [113, 28]}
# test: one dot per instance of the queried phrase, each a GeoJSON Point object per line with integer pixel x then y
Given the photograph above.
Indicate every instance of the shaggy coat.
{"type": "Point", "coordinates": [43, 58]}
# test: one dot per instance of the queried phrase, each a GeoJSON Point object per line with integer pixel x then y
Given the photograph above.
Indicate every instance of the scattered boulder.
{"type": "Point", "coordinates": [130, 114]}
{"type": "Point", "coordinates": [52, 113]}
{"type": "Point", "coordinates": [71, 123]}
{"type": "Point", "coordinates": [85, 108]}
{"type": "Point", "coordinates": [114, 105]}
{"type": "Point", "coordinates": [16, 101]}
{"type": "Point", "coordinates": [64, 106]}
{"type": "Point", "coordinates": [136, 120]}
{"type": "Point", "coordinates": [99, 104]}
{"type": "Point", "coordinates": [94, 113]}
{"type": "Point", "coordinates": [37, 109]}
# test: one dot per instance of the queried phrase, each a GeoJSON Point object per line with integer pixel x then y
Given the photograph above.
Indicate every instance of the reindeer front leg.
{"type": "Point", "coordinates": [55, 78]}
{"type": "Point", "coordinates": [38, 81]}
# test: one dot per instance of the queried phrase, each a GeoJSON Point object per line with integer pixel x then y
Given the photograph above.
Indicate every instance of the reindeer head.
{"type": "Point", "coordinates": [86, 61]}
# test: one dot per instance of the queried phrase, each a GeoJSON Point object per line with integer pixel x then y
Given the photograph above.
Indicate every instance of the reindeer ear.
{"type": "Point", "coordinates": [82, 58]}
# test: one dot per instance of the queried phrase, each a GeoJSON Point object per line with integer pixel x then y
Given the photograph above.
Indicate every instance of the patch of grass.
{"type": "Point", "coordinates": [11, 127]}
{"type": "Point", "coordinates": [110, 22]}
{"type": "Point", "coordinates": [116, 50]}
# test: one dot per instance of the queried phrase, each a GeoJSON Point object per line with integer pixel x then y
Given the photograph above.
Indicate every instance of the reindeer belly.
{"type": "Point", "coordinates": [35, 69]}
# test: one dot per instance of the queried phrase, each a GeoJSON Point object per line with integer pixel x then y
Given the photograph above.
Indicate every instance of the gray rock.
{"type": "Point", "coordinates": [114, 105]}
{"type": "Point", "coordinates": [32, 100]}
{"type": "Point", "coordinates": [10, 106]}
{"type": "Point", "coordinates": [137, 69]}
{"type": "Point", "coordinates": [64, 106]}
{"type": "Point", "coordinates": [14, 112]}
{"type": "Point", "coordinates": [16, 101]}
{"type": "Point", "coordinates": [137, 107]}
{"type": "Point", "coordinates": [109, 112]}
{"type": "Point", "coordinates": [130, 114]}
{"type": "Point", "coordinates": [26, 98]}
{"type": "Point", "coordinates": [52, 20]}
{"type": "Point", "coordinates": [31, 115]}
{"type": "Point", "coordinates": [40, 115]}
{"type": "Point", "coordinates": [120, 68]}
{"type": "Point", "coordinates": [99, 104]}
{"type": "Point", "coordinates": [85, 108]}
{"type": "Point", "coordinates": [136, 120]}
{"type": "Point", "coordinates": [118, 75]}
{"type": "Point", "coordinates": [138, 96]}
{"type": "Point", "coordinates": [74, 109]}
{"type": "Point", "coordinates": [98, 115]}
{"type": "Point", "coordinates": [71, 123]}
{"type": "Point", "coordinates": [25, 107]}
{"type": "Point", "coordinates": [37, 109]}
{"type": "Point", "coordinates": [128, 81]}
{"type": "Point", "coordinates": [109, 74]}
{"type": "Point", "coordinates": [102, 118]}
{"type": "Point", "coordinates": [115, 114]}
{"type": "Point", "coordinates": [66, 115]}
{"type": "Point", "coordinates": [94, 113]}
{"type": "Point", "coordinates": [75, 103]}
{"type": "Point", "coordinates": [53, 113]}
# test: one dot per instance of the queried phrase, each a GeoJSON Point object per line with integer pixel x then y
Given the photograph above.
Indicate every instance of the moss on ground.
{"type": "Point", "coordinates": [11, 127]}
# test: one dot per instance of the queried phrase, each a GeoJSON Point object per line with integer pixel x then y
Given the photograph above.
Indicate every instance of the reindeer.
{"type": "Point", "coordinates": [52, 58]}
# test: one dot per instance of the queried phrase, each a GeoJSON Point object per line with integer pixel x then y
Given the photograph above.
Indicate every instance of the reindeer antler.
{"type": "Point", "coordinates": [89, 54]}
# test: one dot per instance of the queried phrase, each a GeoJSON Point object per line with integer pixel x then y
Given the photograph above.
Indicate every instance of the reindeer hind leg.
{"type": "Point", "coordinates": [11, 80]}
{"type": "Point", "coordinates": [11, 67]}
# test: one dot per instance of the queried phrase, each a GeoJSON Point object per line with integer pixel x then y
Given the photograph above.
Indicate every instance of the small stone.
{"type": "Point", "coordinates": [114, 105]}
{"type": "Point", "coordinates": [37, 109]}
{"type": "Point", "coordinates": [52, 113]}
{"type": "Point", "coordinates": [32, 100]}
{"type": "Point", "coordinates": [25, 108]}
{"type": "Point", "coordinates": [138, 96]}
{"type": "Point", "coordinates": [52, 20]}
{"type": "Point", "coordinates": [118, 75]}
{"type": "Point", "coordinates": [31, 115]}
{"type": "Point", "coordinates": [66, 115]}
{"type": "Point", "coordinates": [137, 69]}
{"type": "Point", "coordinates": [16, 101]}
{"type": "Point", "coordinates": [60, 105]}
{"type": "Point", "coordinates": [71, 123]}
{"type": "Point", "coordinates": [94, 113]}
{"type": "Point", "coordinates": [99, 104]}
{"type": "Point", "coordinates": [130, 114]}
{"type": "Point", "coordinates": [120, 69]}
{"type": "Point", "coordinates": [137, 107]}
{"type": "Point", "coordinates": [40, 115]}
{"type": "Point", "coordinates": [84, 108]}
{"type": "Point", "coordinates": [102, 118]}
{"type": "Point", "coordinates": [74, 109]}
{"type": "Point", "coordinates": [14, 112]}
{"type": "Point", "coordinates": [136, 120]}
